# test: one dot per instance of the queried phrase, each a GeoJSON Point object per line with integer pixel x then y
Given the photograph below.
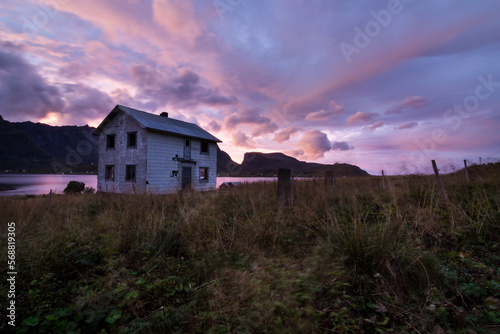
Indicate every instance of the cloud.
{"type": "Point", "coordinates": [74, 71]}
{"type": "Point", "coordinates": [85, 104]}
{"type": "Point", "coordinates": [240, 139]}
{"type": "Point", "coordinates": [375, 125]}
{"type": "Point", "coordinates": [252, 117]}
{"type": "Point", "coordinates": [24, 92]}
{"type": "Point", "coordinates": [360, 117]}
{"type": "Point", "coordinates": [322, 115]}
{"type": "Point", "coordinates": [314, 144]}
{"type": "Point", "coordinates": [341, 146]}
{"type": "Point", "coordinates": [406, 126]}
{"type": "Point", "coordinates": [181, 90]}
{"type": "Point", "coordinates": [413, 102]}
{"type": "Point", "coordinates": [178, 19]}
{"type": "Point", "coordinates": [285, 134]}
{"type": "Point", "coordinates": [214, 126]}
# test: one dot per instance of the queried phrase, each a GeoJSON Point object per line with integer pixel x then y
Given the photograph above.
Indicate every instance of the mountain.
{"type": "Point", "coordinates": [41, 148]}
{"type": "Point", "coordinates": [267, 164]}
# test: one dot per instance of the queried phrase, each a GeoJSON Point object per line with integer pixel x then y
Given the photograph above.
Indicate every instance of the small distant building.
{"type": "Point", "coordinates": [229, 185]}
{"type": "Point", "coordinates": [144, 152]}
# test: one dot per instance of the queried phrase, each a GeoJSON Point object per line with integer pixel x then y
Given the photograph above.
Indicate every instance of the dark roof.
{"type": "Point", "coordinates": [159, 123]}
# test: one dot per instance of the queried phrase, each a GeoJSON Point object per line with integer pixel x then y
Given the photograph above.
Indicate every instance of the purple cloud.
{"type": "Point", "coordinates": [341, 146]}
{"type": "Point", "coordinates": [252, 117]}
{"type": "Point", "coordinates": [24, 92]}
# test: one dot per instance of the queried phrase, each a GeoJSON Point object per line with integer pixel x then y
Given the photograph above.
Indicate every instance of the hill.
{"type": "Point", "coordinates": [267, 164]}
{"type": "Point", "coordinates": [41, 148]}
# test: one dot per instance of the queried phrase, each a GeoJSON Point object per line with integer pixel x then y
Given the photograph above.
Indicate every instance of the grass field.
{"type": "Point", "coordinates": [360, 259]}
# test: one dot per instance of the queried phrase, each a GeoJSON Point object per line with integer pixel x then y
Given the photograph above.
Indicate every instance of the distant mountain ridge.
{"type": "Point", "coordinates": [267, 164]}
{"type": "Point", "coordinates": [42, 148]}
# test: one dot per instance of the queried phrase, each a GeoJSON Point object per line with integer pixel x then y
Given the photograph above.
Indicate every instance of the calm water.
{"type": "Point", "coordinates": [35, 184]}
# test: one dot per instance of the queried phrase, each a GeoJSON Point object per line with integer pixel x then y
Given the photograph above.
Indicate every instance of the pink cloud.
{"type": "Point", "coordinates": [323, 115]}
{"type": "Point", "coordinates": [360, 117]}
{"type": "Point", "coordinates": [406, 126]}
{"type": "Point", "coordinates": [314, 144]}
{"type": "Point", "coordinates": [413, 102]}
{"type": "Point", "coordinates": [375, 125]}
{"type": "Point", "coordinates": [285, 134]}
{"type": "Point", "coordinates": [240, 139]}
{"type": "Point", "coordinates": [178, 18]}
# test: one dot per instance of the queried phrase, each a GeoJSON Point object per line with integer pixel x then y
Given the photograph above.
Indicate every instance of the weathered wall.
{"type": "Point", "coordinates": [122, 155]}
{"type": "Point", "coordinates": [162, 148]}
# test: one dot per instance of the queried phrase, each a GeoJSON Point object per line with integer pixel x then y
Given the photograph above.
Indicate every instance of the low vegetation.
{"type": "Point", "coordinates": [359, 259]}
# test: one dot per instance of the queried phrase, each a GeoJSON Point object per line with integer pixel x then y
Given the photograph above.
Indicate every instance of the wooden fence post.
{"type": "Point", "coordinates": [50, 196]}
{"type": "Point", "coordinates": [441, 189]}
{"type": "Point", "coordinates": [284, 187]}
{"type": "Point", "coordinates": [329, 181]}
{"type": "Point", "coordinates": [383, 179]}
{"type": "Point", "coordinates": [467, 177]}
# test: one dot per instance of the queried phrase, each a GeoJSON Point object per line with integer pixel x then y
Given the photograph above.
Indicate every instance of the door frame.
{"type": "Point", "coordinates": [186, 174]}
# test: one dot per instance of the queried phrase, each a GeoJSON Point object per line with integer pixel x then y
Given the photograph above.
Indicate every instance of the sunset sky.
{"type": "Point", "coordinates": [380, 84]}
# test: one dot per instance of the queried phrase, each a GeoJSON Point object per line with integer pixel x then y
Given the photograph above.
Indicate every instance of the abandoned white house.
{"type": "Point", "coordinates": [144, 152]}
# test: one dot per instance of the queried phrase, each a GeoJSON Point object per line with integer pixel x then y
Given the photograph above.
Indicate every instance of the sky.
{"type": "Point", "coordinates": [385, 85]}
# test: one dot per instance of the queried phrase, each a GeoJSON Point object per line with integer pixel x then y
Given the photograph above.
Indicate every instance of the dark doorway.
{"type": "Point", "coordinates": [186, 177]}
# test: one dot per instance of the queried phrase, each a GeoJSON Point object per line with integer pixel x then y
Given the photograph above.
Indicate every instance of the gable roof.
{"type": "Point", "coordinates": [159, 123]}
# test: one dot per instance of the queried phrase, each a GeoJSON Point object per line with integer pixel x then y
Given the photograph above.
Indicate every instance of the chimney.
{"type": "Point", "coordinates": [164, 114]}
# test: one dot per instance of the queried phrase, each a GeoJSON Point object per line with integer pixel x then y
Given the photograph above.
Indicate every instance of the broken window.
{"type": "Point", "coordinates": [203, 174]}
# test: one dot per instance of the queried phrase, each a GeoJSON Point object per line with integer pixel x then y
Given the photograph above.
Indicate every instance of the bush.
{"type": "Point", "coordinates": [74, 187]}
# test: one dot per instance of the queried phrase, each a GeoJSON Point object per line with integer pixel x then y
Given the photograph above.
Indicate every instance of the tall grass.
{"type": "Point", "coordinates": [358, 259]}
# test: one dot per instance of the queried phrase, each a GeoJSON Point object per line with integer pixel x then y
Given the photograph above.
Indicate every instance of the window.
{"type": "Point", "coordinates": [187, 142]}
{"type": "Point", "coordinates": [204, 147]}
{"type": "Point", "coordinates": [203, 174]}
{"type": "Point", "coordinates": [110, 142]}
{"type": "Point", "coordinates": [130, 173]}
{"type": "Point", "coordinates": [132, 139]}
{"type": "Point", "coordinates": [110, 173]}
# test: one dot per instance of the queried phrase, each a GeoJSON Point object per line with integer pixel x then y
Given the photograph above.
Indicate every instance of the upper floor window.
{"type": "Point", "coordinates": [110, 142]}
{"type": "Point", "coordinates": [132, 139]}
{"type": "Point", "coordinates": [204, 147]}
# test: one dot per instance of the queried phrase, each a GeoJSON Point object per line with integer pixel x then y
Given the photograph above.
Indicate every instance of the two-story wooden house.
{"type": "Point", "coordinates": [144, 152]}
